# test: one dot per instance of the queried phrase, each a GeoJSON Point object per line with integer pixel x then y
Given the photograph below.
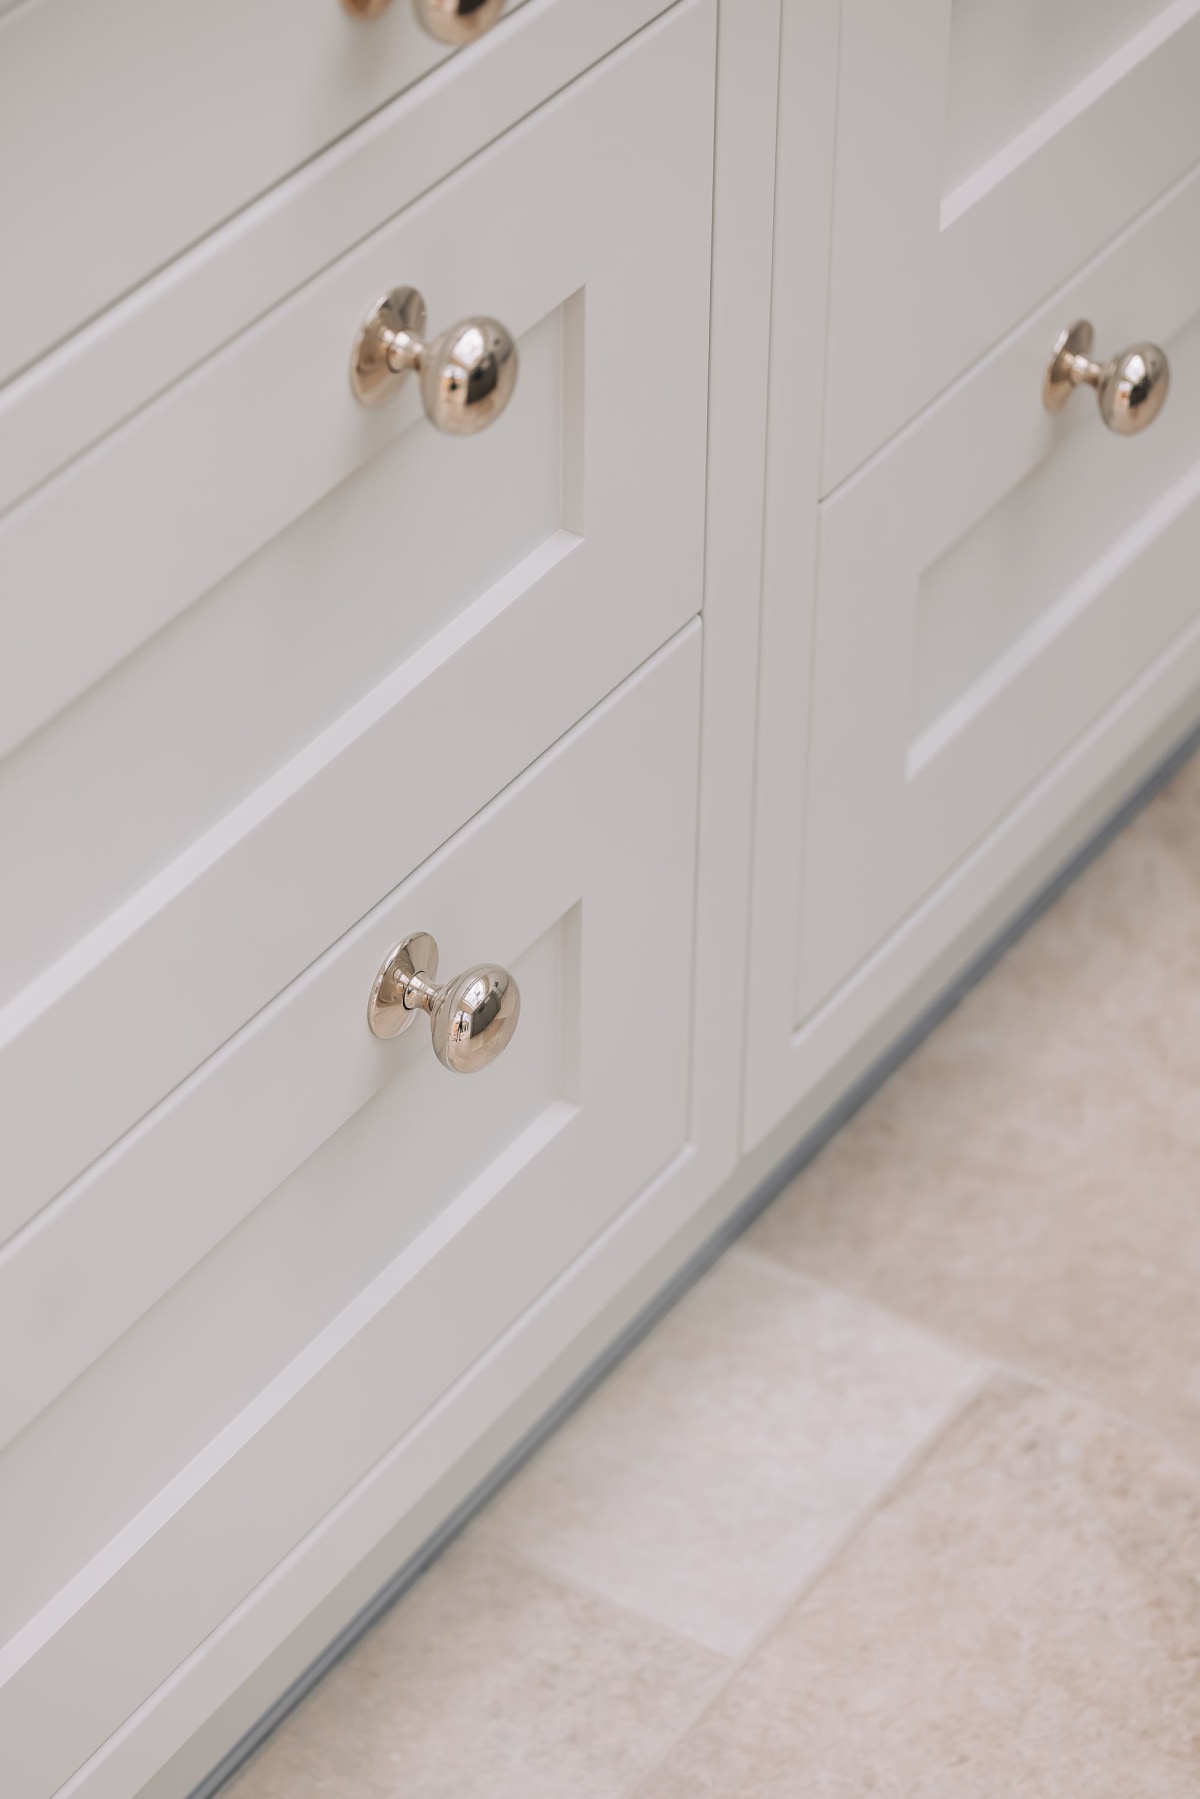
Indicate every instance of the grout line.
{"type": "Point", "coordinates": [799, 1597]}
{"type": "Point", "coordinates": [1036, 1378]}
{"type": "Point", "coordinates": [571, 1583]}
{"type": "Point", "coordinates": [978, 1370]}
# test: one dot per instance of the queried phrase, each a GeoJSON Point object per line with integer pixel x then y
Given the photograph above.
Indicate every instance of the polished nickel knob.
{"type": "Point", "coordinates": [1130, 389]}
{"type": "Point", "coordinates": [458, 21]}
{"type": "Point", "coordinates": [449, 21]}
{"type": "Point", "coordinates": [473, 1016]}
{"type": "Point", "coordinates": [467, 374]}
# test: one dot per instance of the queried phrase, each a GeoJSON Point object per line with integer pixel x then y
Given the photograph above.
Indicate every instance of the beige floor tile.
{"type": "Point", "coordinates": [1022, 1621]}
{"type": "Point", "coordinates": [705, 1481]}
{"type": "Point", "coordinates": [488, 1681]}
{"type": "Point", "coordinates": [1029, 1182]}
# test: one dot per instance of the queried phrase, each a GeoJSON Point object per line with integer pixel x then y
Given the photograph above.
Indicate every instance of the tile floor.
{"type": "Point", "coordinates": [903, 1500]}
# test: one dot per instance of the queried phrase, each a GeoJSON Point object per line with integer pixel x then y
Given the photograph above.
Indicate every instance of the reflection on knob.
{"type": "Point", "coordinates": [473, 1016]}
{"type": "Point", "coordinates": [1131, 389]}
{"type": "Point", "coordinates": [467, 374]}
{"type": "Point", "coordinates": [449, 21]}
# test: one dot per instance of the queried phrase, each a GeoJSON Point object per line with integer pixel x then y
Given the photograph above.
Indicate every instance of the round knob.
{"type": "Point", "coordinates": [467, 374]}
{"type": "Point", "coordinates": [1130, 390]}
{"type": "Point", "coordinates": [458, 21]}
{"type": "Point", "coordinates": [449, 21]}
{"type": "Point", "coordinates": [473, 1016]}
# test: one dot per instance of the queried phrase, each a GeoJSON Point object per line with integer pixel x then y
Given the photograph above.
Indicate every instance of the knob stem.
{"type": "Point", "coordinates": [416, 993]}
{"type": "Point", "coordinates": [404, 353]}
{"type": "Point", "coordinates": [1081, 371]}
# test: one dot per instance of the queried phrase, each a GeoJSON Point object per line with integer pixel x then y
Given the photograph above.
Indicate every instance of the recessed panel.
{"type": "Point", "coordinates": [1013, 62]}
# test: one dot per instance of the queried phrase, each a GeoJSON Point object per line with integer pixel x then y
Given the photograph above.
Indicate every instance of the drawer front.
{"type": "Point", "coordinates": [988, 587]}
{"type": "Point", "coordinates": [296, 598]}
{"type": "Point", "coordinates": [138, 125]}
{"type": "Point", "coordinates": [334, 1228]}
{"type": "Point", "coordinates": [985, 150]}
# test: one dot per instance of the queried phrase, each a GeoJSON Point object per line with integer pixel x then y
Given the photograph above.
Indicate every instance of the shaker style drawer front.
{"type": "Point", "coordinates": [292, 596]}
{"type": "Point", "coordinates": [129, 130]}
{"type": "Point", "coordinates": [262, 1288]}
{"type": "Point", "coordinates": [992, 583]}
{"type": "Point", "coordinates": [985, 150]}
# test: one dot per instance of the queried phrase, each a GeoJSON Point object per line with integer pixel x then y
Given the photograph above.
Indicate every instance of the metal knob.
{"type": "Point", "coordinates": [1131, 389]}
{"type": "Point", "coordinates": [467, 374]}
{"type": "Point", "coordinates": [449, 21]}
{"type": "Point", "coordinates": [473, 1016]}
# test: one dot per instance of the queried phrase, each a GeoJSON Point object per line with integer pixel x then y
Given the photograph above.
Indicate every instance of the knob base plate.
{"type": "Point", "coordinates": [387, 1014]}
{"type": "Point", "coordinates": [400, 314]}
{"type": "Point", "coordinates": [1061, 377]}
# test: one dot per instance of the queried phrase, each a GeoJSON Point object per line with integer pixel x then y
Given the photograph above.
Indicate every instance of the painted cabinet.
{"type": "Point", "coordinates": [722, 685]}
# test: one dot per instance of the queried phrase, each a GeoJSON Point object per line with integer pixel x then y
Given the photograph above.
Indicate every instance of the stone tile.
{"type": "Point", "coordinates": [488, 1681]}
{"type": "Point", "coordinates": [704, 1483]}
{"type": "Point", "coordinates": [1022, 1619]}
{"type": "Point", "coordinates": [1028, 1182]}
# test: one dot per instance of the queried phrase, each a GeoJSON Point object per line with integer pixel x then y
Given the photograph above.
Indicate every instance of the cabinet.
{"type": "Point", "coordinates": [986, 611]}
{"type": "Point", "coordinates": [731, 693]}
